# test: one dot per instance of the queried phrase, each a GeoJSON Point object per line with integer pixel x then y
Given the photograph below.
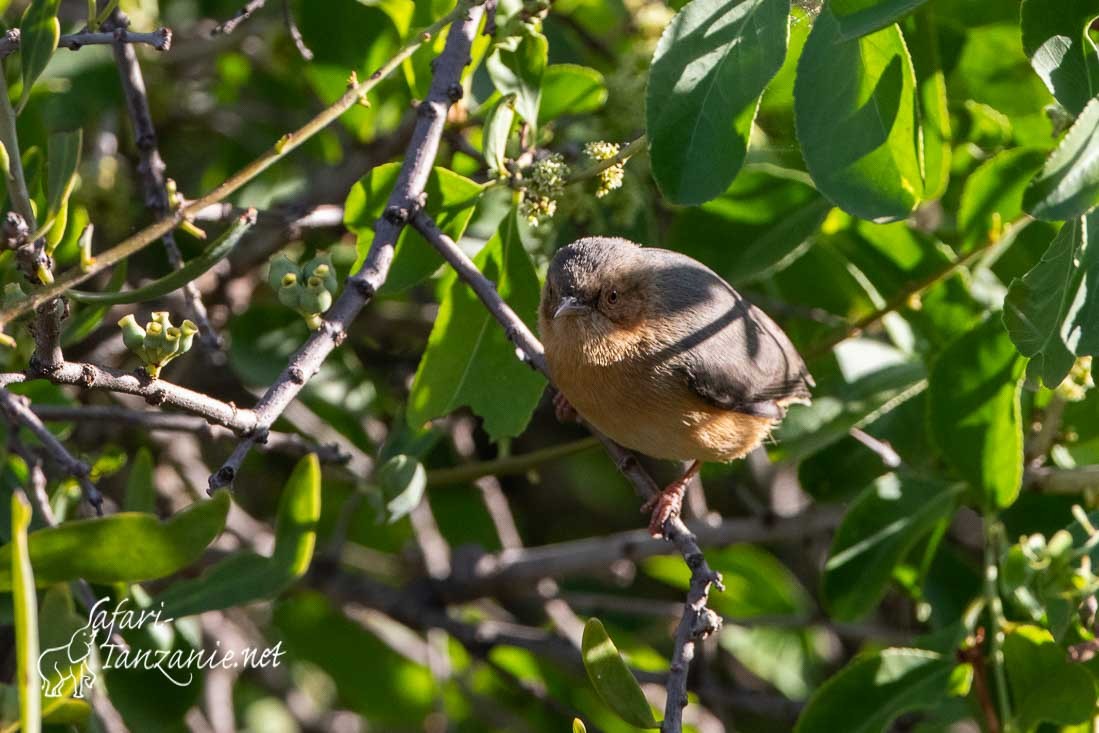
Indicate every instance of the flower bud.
{"type": "Point", "coordinates": [133, 335]}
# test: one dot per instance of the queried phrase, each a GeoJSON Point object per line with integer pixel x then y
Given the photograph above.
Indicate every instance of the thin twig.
{"type": "Point", "coordinates": [160, 39]}
{"type": "Point", "coordinates": [16, 409]}
{"type": "Point", "coordinates": [294, 31]}
{"type": "Point", "coordinates": [239, 17]}
{"type": "Point", "coordinates": [151, 169]}
{"type": "Point", "coordinates": [446, 89]}
{"type": "Point", "coordinates": [1050, 480]}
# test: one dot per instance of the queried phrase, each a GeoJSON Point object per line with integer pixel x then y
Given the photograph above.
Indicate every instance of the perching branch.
{"type": "Point", "coordinates": [10, 42]}
{"type": "Point", "coordinates": [160, 39]}
{"type": "Point", "coordinates": [698, 621]}
{"type": "Point", "coordinates": [151, 168]}
{"type": "Point", "coordinates": [406, 198]}
{"type": "Point", "coordinates": [16, 409]}
{"type": "Point", "coordinates": [239, 17]}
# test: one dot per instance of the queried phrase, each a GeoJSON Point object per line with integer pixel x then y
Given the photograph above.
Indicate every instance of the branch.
{"type": "Point", "coordinates": [16, 409]}
{"type": "Point", "coordinates": [290, 443]}
{"type": "Point", "coordinates": [239, 17]}
{"type": "Point", "coordinates": [508, 465]}
{"type": "Point", "coordinates": [10, 42]}
{"type": "Point", "coordinates": [697, 621]}
{"type": "Point", "coordinates": [155, 391]}
{"type": "Point", "coordinates": [286, 144]}
{"type": "Point", "coordinates": [494, 574]}
{"type": "Point", "coordinates": [151, 167]}
{"type": "Point", "coordinates": [1062, 480]}
{"type": "Point", "coordinates": [160, 39]}
{"type": "Point", "coordinates": [446, 89]}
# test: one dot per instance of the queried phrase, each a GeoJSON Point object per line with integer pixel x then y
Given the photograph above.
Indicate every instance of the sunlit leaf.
{"type": "Point", "coordinates": [247, 576]}
{"type": "Point", "coordinates": [569, 89]}
{"type": "Point", "coordinates": [1055, 38]}
{"type": "Point", "coordinates": [516, 67]}
{"type": "Point", "coordinates": [710, 67]}
{"type": "Point", "coordinates": [612, 679]}
{"type": "Point", "coordinates": [1052, 312]}
{"type": "Point", "coordinates": [973, 411]}
{"type": "Point", "coordinates": [125, 547]}
{"type": "Point", "coordinates": [875, 689]}
{"type": "Point", "coordinates": [854, 103]}
{"type": "Point", "coordinates": [22, 585]}
{"type": "Point", "coordinates": [1068, 184]}
{"type": "Point", "coordinates": [1045, 686]}
{"type": "Point", "coordinates": [40, 32]}
{"type": "Point", "coordinates": [860, 17]}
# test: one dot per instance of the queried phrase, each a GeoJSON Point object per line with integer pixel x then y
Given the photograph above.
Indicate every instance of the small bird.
{"type": "Point", "coordinates": [659, 353]}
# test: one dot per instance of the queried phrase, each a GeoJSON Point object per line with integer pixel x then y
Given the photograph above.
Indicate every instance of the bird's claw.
{"type": "Point", "coordinates": [564, 411]}
{"type": "Point", "coordinates": [664, 506]}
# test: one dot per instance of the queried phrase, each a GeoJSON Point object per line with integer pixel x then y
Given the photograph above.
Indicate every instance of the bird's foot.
{"type": "Point", "coordinates": [666, 505]}
{"type": "Point", "coordinates": [564, 411]}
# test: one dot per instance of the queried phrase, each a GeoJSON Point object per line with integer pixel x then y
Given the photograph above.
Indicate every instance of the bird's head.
{"type": "Point", "coordinates": [597, 290]}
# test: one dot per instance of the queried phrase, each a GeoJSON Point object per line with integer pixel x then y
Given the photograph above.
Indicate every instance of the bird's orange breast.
{"type": "Point", "coordinates": [646, 406]}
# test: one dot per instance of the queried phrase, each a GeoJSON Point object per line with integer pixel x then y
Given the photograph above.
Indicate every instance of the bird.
{"type": "Point", "coordinates": [659, 353]}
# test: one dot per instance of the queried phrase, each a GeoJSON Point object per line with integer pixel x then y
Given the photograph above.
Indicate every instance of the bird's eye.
{"type": "Point", "coordinates": [612, 297]}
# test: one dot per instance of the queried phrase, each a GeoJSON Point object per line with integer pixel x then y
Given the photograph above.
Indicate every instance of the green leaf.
{"type": "Point", "coordinates": [934, 113]}
{"type": "Point", "coordinates": [766, 221]}
{"type": "Point", "coordinates": [61, 164]}
{"type": "Point", "coordinates": [121, 548]}
{"type": "Point", "coordinates": [1055, 39]}
{"type": "Point", "coordinates": [140, 489]}
{"type": "Point", "coordinates": [875, 689]}
{"type": "Point", "coordinates": [517, 67]}
{"type": "Point", "coordinates": [25, 602]}
{"type": "Point", "coordinates": [578, 726]}
{"type": "Point", "coordinates": [469, 359]}
{"type": "Point", "coordinates": [856, 120]}
{"type": "Point", "coordinates": [861, 17]}
{"type": "Point", "coordinates": [40, 33]}
{"type": "Point", "coordinates": [496, 131]}
{"type": "Point", "coordinates": [974, 414]}
{"type": "Point", "coordinates": [1045, 686]}
{"type": "Point", "coordinates": [247, 576]}
{"type": "Point", "coordinates": [854, 403]}
{"type": "Point", "coordinates": [403, 480]}
{"type": "Point", "coordinates": [879, 530]}
{"type": "Point", "coordinates": [1068, 184]}
{"type": "Point", "coordinates": [612, 679]}
{"type": "Point", "coordinates": [756, 582]}
{"type": "Point", "coordinates": [569, 89]}
{"type": "Point", "coordinates": [993, 194]}
{"type": "Point", "coordinates": [708, 72]}
{"type": "Point", "coordinates": [1052, 312]}
{"type": "Point", "coordinates": [451, 199]}
{"type": "Point", "coordinates": [788, 658]}
{"type": "Point", "coordinates": [218, 250]}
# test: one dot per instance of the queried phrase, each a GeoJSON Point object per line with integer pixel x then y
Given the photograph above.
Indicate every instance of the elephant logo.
{"type": "Point", "coordinates": [60, 665]}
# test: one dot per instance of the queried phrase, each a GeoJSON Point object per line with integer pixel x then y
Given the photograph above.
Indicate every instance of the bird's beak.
{"type": "Point", "coordinates": [570, 306]}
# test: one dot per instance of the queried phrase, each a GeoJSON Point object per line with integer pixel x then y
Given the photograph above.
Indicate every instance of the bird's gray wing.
{"type": "Point", "coordinates": [740, 360]}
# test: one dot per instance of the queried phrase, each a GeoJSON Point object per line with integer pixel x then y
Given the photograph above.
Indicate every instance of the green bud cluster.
{"type": "Point", "coordinates": [159, 342]}
{"type": "Point", "coordinates": [309, 289]}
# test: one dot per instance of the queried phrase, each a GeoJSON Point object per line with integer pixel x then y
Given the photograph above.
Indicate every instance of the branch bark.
{"type": "Point", "coordinates": [160, 39]}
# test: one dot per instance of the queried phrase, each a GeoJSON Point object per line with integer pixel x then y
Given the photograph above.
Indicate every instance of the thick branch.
{"type": "Point", "coordinates": [446, 89]}
{"type": "Point", "coordinates": [160, 39]}
{"type": "Point", "coordinates": [155, 391]}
